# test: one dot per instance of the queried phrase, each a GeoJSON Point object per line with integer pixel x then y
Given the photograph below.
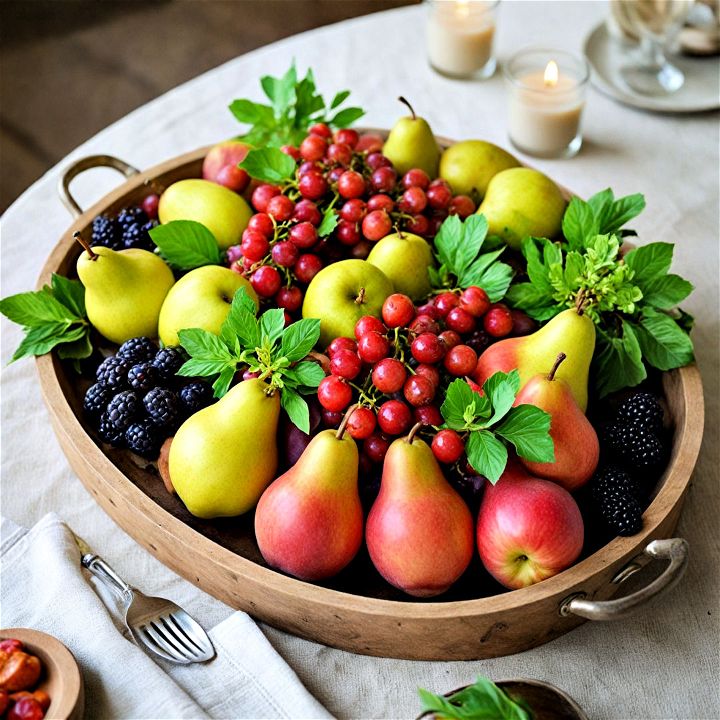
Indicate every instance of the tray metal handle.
{"type": "Point", "coordinates": [86, 163]}
{"type": "Point", "coordinates": [673, 549]}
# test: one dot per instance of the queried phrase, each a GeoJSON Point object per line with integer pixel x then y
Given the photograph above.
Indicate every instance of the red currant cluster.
{"type": "Point", "coordinates": [281, 250]}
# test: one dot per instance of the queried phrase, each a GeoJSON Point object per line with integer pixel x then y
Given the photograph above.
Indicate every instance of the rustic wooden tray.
{"type": "Point", "coordinates": [358, 611]}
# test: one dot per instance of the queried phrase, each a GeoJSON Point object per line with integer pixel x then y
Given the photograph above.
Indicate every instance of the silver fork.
{"type": "Point", "coordinates": [158, 624]}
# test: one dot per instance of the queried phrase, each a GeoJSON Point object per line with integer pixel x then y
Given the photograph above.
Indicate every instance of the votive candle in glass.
{"type": "Point", "coordinates": [546, 101]}
{"type": "Point", "coordinates": [460, 36]}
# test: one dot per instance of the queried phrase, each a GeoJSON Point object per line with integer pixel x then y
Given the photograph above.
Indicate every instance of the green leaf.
{"type": "Point", "coordinates": [346, 117]}
{"type": "Point", "coordinates": [250, 112]}
{"type": "Point", "coordinates": [649, 261]}
{"type": "Point", "coordinates": [296, 408]}
{"type": "Point", "coordinates": [617, 362]}
{"type": "Point", "coordinates": [36, 309]}
{"type": "Point", "coordinates": [329, 222]}
{"type": "Point", "coordinates": [42, 339]}
{"type": "Point", "coordinates": [579, 223]}
{"type": "Point", "coordinates": [269, 165]}
{"type": "Point", "coordinates": [223, 382]}
{"type": "Point", "coordinates": [203, 367]}
{"type": "Point", "coordinates": [201, 344]}
{"type": "Point", "coordinates": [536, 270]}
{"type": "Point", "coordinates": [475, 230]}
{"type": "Point", "coordinates": [486, 454]}
{"type": "Point", "coordinates": [495, 279]}
{"type": "Point", "coordinates": [272, 324]}
{"type": "Point", "coordinates": [501, 389]}
{"type": "Point", "coordinates": [666, 291]}
{"type": "Point", "coordinates": [339, 99]}
{"type": "Point", "coordinates": [448, 239]}
{"type": "Point", "coordinates": [458, 397]}
{"type": "Point", "coordinates": [619, 212]}
{"type": "Point", "coordinates": [241, 323]}
{"type": "Point", "coordinates": [528, 428]}
{"type": "Point", "coordinates": [186, 244]}
{"type": "Point", "coordinates": [300, 338]}
{"type": "Point", "coordinates": [70, 293]}
{"type": "Point", "coordinates": [280, 91]}
{"type": "Point", "coordinates": [601, 203]}
{"type": "Point", "coordinates": [308, 374]}
{"type": "Point", "coordinates": [664, 344]}
{"type": "Point", "coordinates": [527, 297]}
{"type": "Point", "coordinates": [76, 349]}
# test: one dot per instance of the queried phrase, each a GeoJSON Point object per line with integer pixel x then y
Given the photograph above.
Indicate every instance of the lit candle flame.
{"type": "Point", "coordinates": [463, 8]}
{"type": "Point", "coordinates": [551, 74]}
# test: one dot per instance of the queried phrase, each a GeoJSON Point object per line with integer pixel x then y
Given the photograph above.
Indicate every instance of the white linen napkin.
{"type": "Point", "coordinates": [42, 586]}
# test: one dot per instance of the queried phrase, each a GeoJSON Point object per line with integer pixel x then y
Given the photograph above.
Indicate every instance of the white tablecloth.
{"type": "Point", "coordinates": [661, 663]}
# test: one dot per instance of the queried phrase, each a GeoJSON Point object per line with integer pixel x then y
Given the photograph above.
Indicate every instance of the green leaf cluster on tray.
{"type": "Point", "coordinates": [269, 165]}
{"type": "Point", "coordinates": [295, 105]}
{"type": "Point", "coordinates": [483, 700]}
{"type": "Point", "coordinates": [458, 246]}
{"type": "Point", "coordinates": [492, 423]}
{"type": "Point", "coordinates": [631, 297]}
{"type": "Point", "coordinates": [53, 317]}
{"type": "Point", "coordinates": [265, 346]}
{"type": "Point", "coordinates": [186, 244]}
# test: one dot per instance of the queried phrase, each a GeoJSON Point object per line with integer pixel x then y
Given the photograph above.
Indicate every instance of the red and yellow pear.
{"type": "Point", "coordinates": [577, 450]}
{"type": "Point", "coordinates": [309, 522]}
{"type": "Point", "coordinates": [419, 531]}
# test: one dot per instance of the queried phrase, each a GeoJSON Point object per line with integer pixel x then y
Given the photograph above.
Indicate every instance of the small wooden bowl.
{"type": "Point", "coordinates": [61, 678]}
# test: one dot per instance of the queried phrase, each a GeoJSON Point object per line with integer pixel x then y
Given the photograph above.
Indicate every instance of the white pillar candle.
{"type": "Point", "coordinates": [460, 37]}
{"type": "Point", "coordinates": [546, 101]}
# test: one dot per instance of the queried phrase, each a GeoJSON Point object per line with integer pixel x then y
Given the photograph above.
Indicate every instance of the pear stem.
{"type": "Point", "coordinates": [581, 301]}
{"type": "Point", "coordinates": [413, 432]}
{"type": "Point", "coordinates": [345, 420]}
{"type": "Point", "coordinates": [409, 106]}
{"type": "Point", "coordinates": [558, 362]}
{"type": "Point", "coordinates": [360, 299]}
{"type": "Point", "coordinates": [85, 245]}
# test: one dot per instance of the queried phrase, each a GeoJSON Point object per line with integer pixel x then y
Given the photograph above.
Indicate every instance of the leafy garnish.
{"type": "Point", "coordinates": [186, 244]}
{"type": "Point", "coordinates": [492, 424]}
{"type": "Point", "coordinates": [630, 298]}
{"type": "Point", "coordinates": [268, 165]}
{"type": "Point", "coordinates": [461, 264]}
{"type": "Point", "coordinates": [265, 346]}
{"type": "Point", "coordinates": [52, 317]}
{"type": "Point", "coordinates": [294, 106]}
{"type": "Point", "coordinates": [483, 700]}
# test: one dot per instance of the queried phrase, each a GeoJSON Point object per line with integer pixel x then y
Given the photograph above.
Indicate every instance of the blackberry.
{"type": "Point", "coordinates": [96, 399]}
{"type": "Point", "coordinates": [168, 361]}
{"type": "Point", "coordinates": [622, 513]}
{"type": "Point", "coordinates": [613, 479]}
{"type": "Point", "coordinates": [479, 341]}
{"type": "Point", "coordinates": [109, 433]}
{"type": "Point", "coordinates": [105, 232]}
{"type": "Point", "coordinates": [636, 445]}
{"type": "Point", "coordinates": [137, 236]}
{"type": "Point", "coordinates": [162, 407]}
{"type": "Point", "coordinates": [131, 216]}
{"type": "Point", "coordinates": [123, 409]}
{"type": "Point", "coordinates": [143, 377]}
{"type": "Point", "coordinates": [642, 409]}
{"type": "Point", "coordinates": [112, 372]}
{"type": "Point", "coordinates": [138, 349]}
{"type": "Point", "coordinates": [143, 438]}
{"type": "Point", "coordinates": [196, 396]}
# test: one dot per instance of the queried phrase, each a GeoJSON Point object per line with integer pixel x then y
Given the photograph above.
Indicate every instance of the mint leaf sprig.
{"type": "Point", "coordinates": [275, 352]}
{"type": "Point", "coordinates": [483, 700]}
{"type": "Point", "coordinates": [461, 264]}
{"type": "Point", "coordinates": [491, 423]}
{"type": "Point", "coordinates": [295, 105]}
{"type": "Point", "coordinates": [186, 244]}
{"type": "Point", "coordinates": [54, 317]}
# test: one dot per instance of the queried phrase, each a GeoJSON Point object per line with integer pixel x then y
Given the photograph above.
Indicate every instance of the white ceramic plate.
{"type": "Point", "coordinates": [701, 91]}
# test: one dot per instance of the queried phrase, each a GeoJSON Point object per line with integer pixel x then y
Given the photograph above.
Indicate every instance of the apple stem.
{"type": "Point", "coordinates": [345, 420]}
{"type": "Point", "coordinates": [85, 244]}
{"type": "Point", "coordinates": [413, 432]}
{"type": "Point", "coordinates": [360, 299]}
{"type": "Point", "coordinates": [558, 362]}
{"type": "Point", "coordinates": [409, 106]}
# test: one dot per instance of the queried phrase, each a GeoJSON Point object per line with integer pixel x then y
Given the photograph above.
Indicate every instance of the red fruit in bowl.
{"type": "Point", "coordinates": [321, 129]}
{"type": "Point", "coordinates": [431, 372]}
{"type": "Point", "coordinates": [528, 529]}
{"type": "Point", "coordinates": [233, 178]}
{"type": "Point", "coordinates": [289, 299]}
{"type": "Point", "coordinates": [448, 446]}
{"type": "Point", "coordinates": [445, 302]}
{"type": "Point", "coordinates": [375, 447]}
{"type": "Point", "coordinates": [369, 323]}
{"type": "Point", "coordinates": [341, 343]}
{"type": "Point", "coordinates": [303, 235]}
{"type": "Point", "coordinates": [424, 323]}
{"type": "Point", "coordinates": [398, 310]}
{"type": "Point", "coordinates": [373, 347]}
{"type": "Point", "coordinates": [460, 321]}
{"type": "Point", "coordinates": [266, 281]}
{"type": "Point", "coordinates": [261, 222]}
{"type": "Point", "coordinates": [377, 160]}
{"type": "Point", "coordinates": [334, 393]}
{"type": "Point", "coordinates": [307, 211]}
{"type": "Point", "coordinates": [312, 185]}
{"type": "Point", "coordinates": [461, 205]}
{"type": "Point", "coordinates": [461, 361]}
{"type": "Point", "coordinates": [497, 321]}
{"type": "Point", "coordinates": [307, 267]}
{"type": "Point", "coordinates": [339, 153]}
{"type": "Point", "coordinates": [389, 375]}
{"type": "Point", "coordinates": [475, 301]}
{"type": "Point", "coordinates": [428, 415]}
{"type": "Point", "coordinates": [351, 184]}
{"type": "Point", "coordinates": [345, 364]}
{"type": "Point", "coordinates": [427, 348]}
{"type": "Point", "coordinates": [369, 143]}
{"type": "Point", "coordinates": [361, 424]}
{"type": "Point", "coordinates": [313, 147]}
{"type": "Point", "coordinates": [415, 177]}
{"type": "Point", "coordinates": [394, 417]}
{"type": "Point", "coordinates": [376, 225]}
{"type": "Point", "coordinates": [347, 136]}
{"type": "Point", "coordinates": [261, 196]}
{"type": "Point", "coordinates": [380, 201]}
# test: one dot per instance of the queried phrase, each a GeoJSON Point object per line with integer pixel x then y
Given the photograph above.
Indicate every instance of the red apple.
{"type": "Point", "coordinates": [228, 152]}
{"type": "Point", "coordinates": [528, 529]}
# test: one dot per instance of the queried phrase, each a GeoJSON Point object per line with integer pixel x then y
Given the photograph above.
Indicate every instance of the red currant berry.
{"type": "Point", "coordinates": [460, 321]}
{"type": "Point", "coordinates": [289, 299]}
{"type": "Point", "coordinates": [449, 338]}
{"type": "Point", "coordinates": [418, 390]}
{"type": "Point", "coordinates": [361, 250]}
{"type": "Point", "coordinates": [384, 179]}
{"type": "Point", "coordinates": [423, 324]}
{"type": "Point", "coordinates": [361, 424]}
{"type": "Point", "coordinates": [380, 202]}
{"type": "Point", "coordinates": [309, 166]}
{"type": "Point", "coordinates": [430, 372]}
{"type": "Point", "coordinates": [292, 151]}
{"type": "Point", "coordinates": [497, 321]}
{"type": "Point", "coordinates": [429, 309]}
{"type": "Point", "coordinates": [413, 201]}
{"type": "Point", "coordinates": [427, 348]}
{"type": "Point", "coordinates": [313, 147]}
{"type": "Point", "coordinates": [475, 300]}
{"type": "Point", "coordinates": [285, 253]}
{"type": "Point", "coordinates": [415, 177]}
{"type": "Point", "coordinates": [439, 196]}
{"type": "Point", "coordinates": [335, 174]}
{"type": "Point", "coordinates": [261, 222]}
{"type": "Point", "coordinates": [351, 184]}
{"type": "Point", "coordinates": [377, 160]}
{"type": "Point", "coordinates": [353, 210]}
{"type": "Point", "coordinates": [334, 393]}
{"type": "Point", "coordinates": [398, 310]}
{"type": "Point", "coordinates": [419, 225]}
{"type": "Point", "coordinates": [339, 153]}
{"type": "Point", "coordinates": [462, 206]}
{"type": "Point", "coordinates": [445, 302]}
{"type": "Point", "coordinates": [376, 225]}
{"type": "Point", "coordinates": [341, 343]}
{"type": "Point", "coordinates": [428, 415]}
{"type": "Point", "coordinates": [348, 233]}
{"type": "Point", "coordinates": [348, 136]}
{"type": "Point", "coordinates": [321, 129]}
{"type": "Point", "coordinates": [307, 211]}
{"type": "Point", "coordinates": [303, 235]}
{"type": "Point", "coordinates": [150, 205]}
{"type": "Point", "coordinates": [389, 376]}
{"type": "Point", "coordinates": [346, 364]}
{"type": "Point", "coordinates": [375, 447]}
{"type": "Point", "coordinates": [394, 417]}
{"type": "Point", "coordinates": [266, 281]}
{"type": "Point", "coordinates": [373, 347]}
{"type": "Point", "coordinates": [261, 196]}
{"type": "Point", "coordinates": [254, 246]}
{"type": "Point", "coordinates": [312, 186]}
{"type": "Point", "coordinates": [332, 419]}
{"type": "Point", "coordinates": [461, 361]}
{"type": "Point", "coordinates": [522, 323]}
{"type": "Point", "coordinates": [233, 178]}
{"type": "Point", "coordinates": [447, 446]}
{"type": "Point", "coordinates": [307, 267]}
{"type": "Point", "coordinates": [287, 318]}
{"type": "Point", "coordinates": [369, 323]}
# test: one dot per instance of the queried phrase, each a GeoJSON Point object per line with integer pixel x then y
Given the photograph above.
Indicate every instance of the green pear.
{"type": "Point", "coordinates": [341, 293]}
{"type": "Point", "coordinates": [201, 299]}
{"type": "Point", "coordinates": [411, 144]}
{"type": "Point", "coordinates": [220, 210]}
{"type": "Point", "coordinates": [521, 202]}
{"type": "Point", "coordinates": [405, 259]}
{"type": "Point", "coordinates": [470, 165]}
{"type": "Point", "coordinates": [224, 456]}
{"type": "Point", "coordinates": [124, 291]}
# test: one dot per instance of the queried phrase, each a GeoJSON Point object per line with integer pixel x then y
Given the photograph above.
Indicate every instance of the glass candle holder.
{"type": "Point", "coordinates": [460, 36]}
{"type": "Point", "coordinates": [546, 101]}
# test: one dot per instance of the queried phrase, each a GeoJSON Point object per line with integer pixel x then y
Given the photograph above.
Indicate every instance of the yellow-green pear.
{"type": "Point", "coordinates": [220, 210]}
{"type": "Point", "coordinates": [224, 456]}
{"type": "Point", "coordinates": [201, 299]}
{"type": "Point", "coordinates": [570, 331]}
{"type": "Point", "coordinates": [521, 202]}
{"type": "Point", "coordinates": [470, 165]}
{"type": "Point", "coordinates": [124, 291]}
{"type": "Point", "coordinates": [411, 144]}
{"type": "Point", "coordinates": [405, 259]}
